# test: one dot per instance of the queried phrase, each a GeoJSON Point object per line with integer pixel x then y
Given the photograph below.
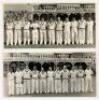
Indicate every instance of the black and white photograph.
{"type": "Point", "coordinates": [55, 25]}
{"type": "Point", "coordinates": [49, 49]}
{"type": "Point", "coordinates": [49, 74]}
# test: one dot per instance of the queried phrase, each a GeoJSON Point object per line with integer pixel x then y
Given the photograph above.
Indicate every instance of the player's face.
{"type": "Point", "coordinates": [80, 67]}
{"type": "Point", "coordinates": [42, 69]}
{"type": "Point", "coordinates": [73, 68]}
{"type": "Point", "coordinates": [19, 18]}
{"type": "Point", "coordinates": [82, 18]}
{"type": "Point", "coordinates": [64, 67]}
{"type": "Point", "coordinates": [66, 19]}
{"type": "Point", "coordinates": [14, 65]}
{"type": "Point", "coordinates": [10, 70]}
{"type": "Point", "coordinates": [57, 68]}
{"type": "Point", "coordinates": [42, 19]}
{"type": "Point", "coordinates": [18, 69]}
{"type": "Point", "coordinates": [58, 19]}
{"type": "Point", "coordinates": [10, 20]}
{"type": "Point", "coordinates": [88, 67]}
{"type": "Point", "coordinates": [89, 18]}
{"type": "Point", "coordinates": [26, 20]}
{"type": "Point", "coordinates": [26, 67]}
{"type": "Point", "coordinates": [51, 20]}
{"type": "Point", "coordinates": [22, 67]}
{"type": "Point", "coordinates": [34, 68]}
{"type": "Point", "coordinates": [50, 68]}
{"type": "Point", "coordinates": [74, 19]}
{"type": "Point", "coordinates": [35, 20]}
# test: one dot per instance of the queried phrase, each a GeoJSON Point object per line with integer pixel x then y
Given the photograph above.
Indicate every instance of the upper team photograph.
{"type": "Point", "coordinates": [61, 25]}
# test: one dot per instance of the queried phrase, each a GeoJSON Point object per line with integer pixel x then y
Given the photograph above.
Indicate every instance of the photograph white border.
{"type": "Point", "coordinates": [38, 50]}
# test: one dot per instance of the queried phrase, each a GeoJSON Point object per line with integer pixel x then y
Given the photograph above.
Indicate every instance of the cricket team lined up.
{"type": "Point", "coordinates": [28, 82]}
{"type": "Point", "coordinates": [53, 32]}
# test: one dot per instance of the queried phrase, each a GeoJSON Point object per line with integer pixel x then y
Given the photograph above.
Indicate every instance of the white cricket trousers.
{"type": "Point", "coordinates": [73, 85]}
{"type": "Point", "coordinates": [50, 85]}
{"type": "Point", "coordinates": [59, 37]}
{"type": "Point", "coordinates": [11, 86]}
{"type": "Point", "coordinates": [35, 36]}
{"type": "Point", "coordinates": [43, 36]}
{"type": "Point", "coordinates": [67, 36]}
{"type": "Point", "coordinates": [90, 36]}
{"type": "Point", "coordinates": [17, 37]}
{"type": "Point", "coordinates": [35, 86]}
{"type": "Point", "coordinates": [65, 86]}
{"type": "Point", "coordinates": [42, 85]}
{"type": "Point", "coordinates": [88, 84]}
{"type": "Point", "coordinates": [26, 36]}
{"type": "Point", "coordinates": [81, 36]}
{"type": "Point", "coordinates": [19, 89]}
{"type": "Point", "coordinates": [9, 37]}
{"type": "Point", "coordinates": [74, 35]}
{"type": "Point", "coordinates": [80, 85]}
{"type": "Point", "coordinates": [27, 86]}
{"type": "Point", "coordinates": [57, 86]}
{"type": "Point", "coordinates": [51, 34]}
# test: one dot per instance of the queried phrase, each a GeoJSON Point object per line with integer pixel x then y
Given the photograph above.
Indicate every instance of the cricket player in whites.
{"type": "Point", "coordinates": [59, 31]}
{"type": "Point", "coordinates": [19, 81]}
{"type": "Point", "coordinates": [73, 79]}
{"type": "Point", "coordinates": [80, 79]}
{"type": "Point", "coordinates": [88, 80]}
{"type": "Point", "coordinates": [9, 32]}
{"type": "Point", "coordinates": [51, 31]}
{"type": "Point", "coordinates": [81, 28]}
{"type": "Point", "coordinates": [18, 32]}
{"type": "Point", "coordinates": [50, 81]}
{"type": "Point", "coordinates": [43, 76]}
{"type": "Point", "coordinates": [26, 80]}
{"type": "Point", "coordinates": [65, 78]}
{"type": "Point", "coordinates": [35, 33]}
{"type": "Point", "coordinates": [26, 32]}
{"type": "Point", "coordinates": [11, 82]}
{"type": "Point", "coordinates": [90, 25]}
{"type": "Point", "coordinates": [57, 76]}
{"type": "Point", "coordinates": [35, 81]}
{"type": "Point", "coordinates": [66, 27]}
{"type": "Point", "coordinates": [43, 35]}
{"type": "Point", "coordinates": [74, 31]}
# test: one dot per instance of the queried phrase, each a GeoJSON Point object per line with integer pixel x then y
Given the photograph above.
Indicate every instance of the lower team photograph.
{"type": "Point", "coordinates": [49, 74]}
